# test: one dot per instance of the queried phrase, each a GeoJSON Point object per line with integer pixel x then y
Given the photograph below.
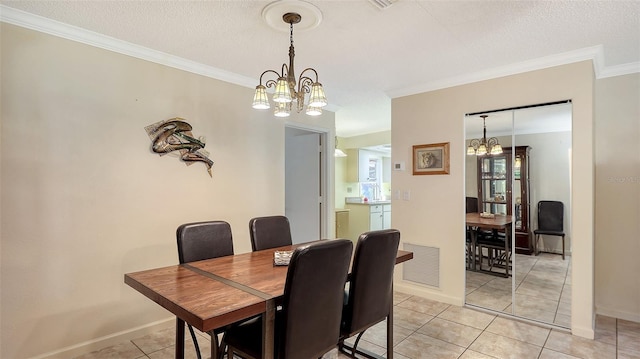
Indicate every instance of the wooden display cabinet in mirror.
{"type": "Point", "coordinates": [497, 191]}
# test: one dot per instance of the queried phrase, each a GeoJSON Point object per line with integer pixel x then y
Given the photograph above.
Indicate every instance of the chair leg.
{"type": "Point", "coordinates": [563, 247]}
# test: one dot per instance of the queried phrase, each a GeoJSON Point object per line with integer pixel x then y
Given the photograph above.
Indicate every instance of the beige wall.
{"type": "Point", "coordinates": [85, 201]}
{"type": "Point", "coordinates": [434, 214]}
{"type": "Point", "coordinates": [618, 196]}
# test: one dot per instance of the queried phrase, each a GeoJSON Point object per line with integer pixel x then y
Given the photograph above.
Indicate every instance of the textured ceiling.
{"type": "Point", "coordinates": [363, 54]}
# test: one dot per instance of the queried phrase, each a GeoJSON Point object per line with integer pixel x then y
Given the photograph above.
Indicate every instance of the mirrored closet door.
{"type": "Point", "coordinates": [517, 164]}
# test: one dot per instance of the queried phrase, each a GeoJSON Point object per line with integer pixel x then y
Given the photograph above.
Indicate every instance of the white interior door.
{"type": "Point", "coordinates": [303, 197]}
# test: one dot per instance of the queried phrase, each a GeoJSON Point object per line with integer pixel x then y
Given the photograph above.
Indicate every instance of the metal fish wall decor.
{"type": "Point", "coordinates": [174, 135]}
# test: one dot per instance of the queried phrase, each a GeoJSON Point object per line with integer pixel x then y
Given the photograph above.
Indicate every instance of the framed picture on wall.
{"type": "Point", "coordinates": [431, 159]}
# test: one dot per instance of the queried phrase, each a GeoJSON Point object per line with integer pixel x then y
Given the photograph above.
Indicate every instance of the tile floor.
{"type": "Point", "coordinates": [542, 289]}
{"type": "Point", "coordinates": [428, 329]}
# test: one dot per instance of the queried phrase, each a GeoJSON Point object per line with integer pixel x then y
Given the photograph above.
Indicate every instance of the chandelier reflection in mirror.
{"type": "Point", "coordinates": [483, 145]}
{"type": "Point", "coordinates": [285, 85]}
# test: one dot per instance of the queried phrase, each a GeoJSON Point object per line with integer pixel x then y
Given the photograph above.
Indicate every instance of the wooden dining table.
{"type": "Point", "coordinates": [498, 222]}
{"type": "Point", "coordinates": [213, 293]}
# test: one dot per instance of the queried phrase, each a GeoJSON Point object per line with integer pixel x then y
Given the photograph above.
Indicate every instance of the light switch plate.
{"type": "Point", "coordinates": [406, 195]}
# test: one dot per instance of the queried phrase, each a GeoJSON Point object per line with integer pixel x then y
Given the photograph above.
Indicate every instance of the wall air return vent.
{"type": "Point", "coordinates": [424, 268]}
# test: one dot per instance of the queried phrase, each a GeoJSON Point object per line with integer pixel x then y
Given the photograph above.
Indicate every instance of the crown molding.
{"type": "Point", "coordinates": [594, 53]}
{"type": "Point", "coordinates": [620, 70]}
{"type": "Point", "coordinates": [74, 33]}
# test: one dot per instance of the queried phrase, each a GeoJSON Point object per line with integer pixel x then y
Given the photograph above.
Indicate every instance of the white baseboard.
{"type": "Point", "coordinates": [424, 292]}
{"type": "Point", "coordinates": [108, 340]}
{"type": "Point", "coordinates": [584, 332]}
{"type": "Point", "coordinates": [619, 314]}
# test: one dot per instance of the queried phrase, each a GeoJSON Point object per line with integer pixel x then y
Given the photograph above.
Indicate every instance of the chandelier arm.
{"type": "Point", "coordinates": [303, 84]}
{"type": "Point", "coordinates": [277, 75]}
{"type": "Point", "coordinates": [310, 69]}
{"type": "Point", "coordinates": [284, 72]}
{"type": "Point", "coordinates": [270, 83]}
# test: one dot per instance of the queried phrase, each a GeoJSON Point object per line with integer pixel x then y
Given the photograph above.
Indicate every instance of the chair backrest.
{"type": "Point", "coordinates": [269, 232]}
{"type": "Point", "coordinates": [370, 288]}
{"type": "Point", "coordinates": [313, 299]}
{"type": "Point", "coordinates": [472, 205]}
{"type": "Point", "coordinates": [204, 240]}
{"type": "Point", "coordinates": [551, 216]}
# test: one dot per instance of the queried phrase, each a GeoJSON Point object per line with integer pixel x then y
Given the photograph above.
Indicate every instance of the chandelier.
{"type": "Point", "coordinates": [287, 90]}
{"type": "Point", "coordinates": [483, 145]}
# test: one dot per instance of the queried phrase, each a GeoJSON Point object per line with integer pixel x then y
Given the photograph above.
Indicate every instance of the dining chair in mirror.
{"type": "Point", "coordinates": [471, 206]}
{"type": "Point", "coordinates": [199, 241]}
{"type": "Point", "coordinates": [269, 232]}
{"type": "Point", "coordinates": [550, 222]}
{"type": "Point", "coordinates": [370, 289]}
{"type": "Point", "coordinates": [498, 251]}
{"type": "Point", "coordinates": [308, 325]}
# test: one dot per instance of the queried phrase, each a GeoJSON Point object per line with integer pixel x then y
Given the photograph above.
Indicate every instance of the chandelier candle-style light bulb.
{"type": "Point", "coordinates": [287, 89]}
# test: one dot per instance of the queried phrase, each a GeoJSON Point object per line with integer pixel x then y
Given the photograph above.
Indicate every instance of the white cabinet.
{"type": "Point", "coordinates": [386, 216]}
{"type": "Point", "coordinates": [376, 220]}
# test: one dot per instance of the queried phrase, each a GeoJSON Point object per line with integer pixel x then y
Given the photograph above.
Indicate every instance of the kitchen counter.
{"type": "Point", "coordinates": [370, 203]}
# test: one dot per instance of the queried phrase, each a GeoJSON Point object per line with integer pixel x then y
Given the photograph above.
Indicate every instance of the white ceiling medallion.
{"type": "Point", "coordinates": [310, 14]}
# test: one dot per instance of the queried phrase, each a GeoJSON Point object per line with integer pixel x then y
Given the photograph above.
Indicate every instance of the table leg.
{"type": "Point", "coordinates": [268, 329]}
{"type": "Point", "coordinates": [390, 327]}
{"type": "Point", "coordinates": [179, 338]}
{"type": "Point", "coordinates": [507, 243]}
{"type": "Point", "coordinates": [215, 350]}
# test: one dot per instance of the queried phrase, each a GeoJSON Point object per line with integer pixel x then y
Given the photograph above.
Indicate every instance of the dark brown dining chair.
{"type": "Point", "coordinates": [308, 326]}
{"type": "Point", "coordinates": [550, 222]}
{"type": "Point", "coordinates": [269, 232]}
{"type": "Point", "coordinates": [370, 289]}
{"type": "Point", "coordinates": [199, 241]}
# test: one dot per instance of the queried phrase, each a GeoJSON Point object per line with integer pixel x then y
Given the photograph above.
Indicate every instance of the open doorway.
{"type": "Point", "coordinates": [306, 183]}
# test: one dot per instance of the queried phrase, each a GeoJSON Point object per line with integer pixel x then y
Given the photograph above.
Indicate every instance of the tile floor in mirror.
{"type": "Point", "coordinates": [428, 329]}
{"type": "Point", "coordinates": [542, 289]}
